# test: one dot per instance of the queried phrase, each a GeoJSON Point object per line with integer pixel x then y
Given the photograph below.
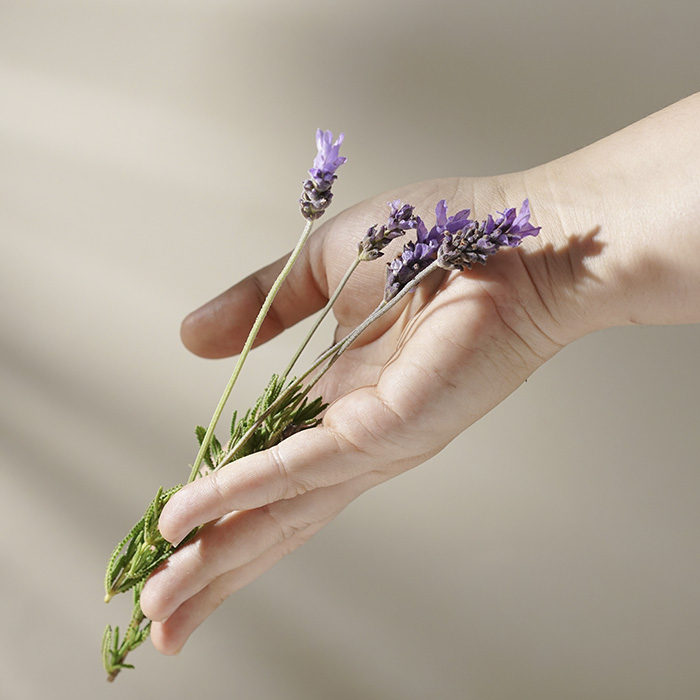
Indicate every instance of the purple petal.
{"type": "Point", "coordinates": [524, 216]}
{"type": "Point", "coordinates": [521, 226]}
{"type": "Point", "coordinates": [441, 213]}
{"type": "Point", "coordinates": [328, 159]}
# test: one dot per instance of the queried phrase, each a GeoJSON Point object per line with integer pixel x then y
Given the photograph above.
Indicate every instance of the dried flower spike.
{"type": "Point", "coordinates": [416, 257]}
{"type": "Point", "coordinates": [316, 195]}
{"type": "Point", "coordinates": [476, 241]}
{"type": "Point", "coordinates": [456, 242]}
{"type": "Point", "coordinates": [401, 219]}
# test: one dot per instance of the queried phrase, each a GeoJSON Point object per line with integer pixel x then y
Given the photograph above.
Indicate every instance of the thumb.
{"type": "Point", "coordinates": [220, 327]}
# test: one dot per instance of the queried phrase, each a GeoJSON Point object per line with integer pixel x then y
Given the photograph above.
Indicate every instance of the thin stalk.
{"type": "Point", "coordinates": [137, 617]}
{"type": "Point", "coordinates": [333, 353]}
{"type": "Point", "coordinates": [247, 347]}
{"type": "Point", "coordinates": [322, 316]}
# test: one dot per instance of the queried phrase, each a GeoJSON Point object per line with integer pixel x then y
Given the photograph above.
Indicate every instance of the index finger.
{"type": "Point", "coordinates": [220, 327]}
{"type": "Point", "coordinates": [351, 442]}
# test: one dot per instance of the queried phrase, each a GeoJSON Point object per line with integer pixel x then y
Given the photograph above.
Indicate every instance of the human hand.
{"type": "Point", "coordinates": [409, 385]}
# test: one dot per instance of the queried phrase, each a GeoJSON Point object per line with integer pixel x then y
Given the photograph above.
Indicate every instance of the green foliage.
{"type": "Point", "coordinates": [212, 454]}
{"type": "Point", "coordinates": [115, 652]}
{"type": "Point", "coordinates": [131, 563]}
{"type": "Point", "coordinates": [282, 410]}
{"type": "Point", "coordinates": [141, 551]}
{"type": "Point", "coordinates": [277, 414]}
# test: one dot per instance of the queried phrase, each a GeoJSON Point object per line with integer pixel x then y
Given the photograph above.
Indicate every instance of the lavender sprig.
{"type": "Point", "coordinates": [417, 256]}
{"type": "Point", "coordinates": [477, 241]}
{"type": "Point", "coordinates": [144, 548]}
{"type": "Point", "coordinates": [316, 195]}
{"type": "Point", "coordinates": [401, 219]}
{"type": "Point", "coordinates": [456, 242]}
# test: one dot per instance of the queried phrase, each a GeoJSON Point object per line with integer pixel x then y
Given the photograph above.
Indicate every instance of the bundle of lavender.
{"type": "Point", "coordinates": [285, 407]}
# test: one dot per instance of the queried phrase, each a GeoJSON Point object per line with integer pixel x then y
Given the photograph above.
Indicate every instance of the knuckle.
{"type": "Point", "coordinates": [286, 529]}
{"type": "Point", "coordinates": [378, 426]}
{"type": "Point", "coordinates": [218, 490]}
{"type": "Point", "coordinates": [280, 469]}
{"type": "Point", "coordinates": [289, 485]}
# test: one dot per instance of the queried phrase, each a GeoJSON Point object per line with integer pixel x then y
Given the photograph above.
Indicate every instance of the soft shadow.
{"type": "Point", "coordinates": [506, 277]}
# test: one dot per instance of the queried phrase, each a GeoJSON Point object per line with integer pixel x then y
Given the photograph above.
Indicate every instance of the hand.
{"type": "Point", "coordinates": [420, 376]}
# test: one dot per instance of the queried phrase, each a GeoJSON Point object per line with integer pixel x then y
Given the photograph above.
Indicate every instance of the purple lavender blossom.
{"type": "Point", "coordinates": [327, 160]}
{"type": "Point", "coordinates": [476, 241]}
{"type": "Point", "coordinates": [417, 256]}
{"type": "Point", "coordinates": [414, 259]}
{"type": "Point", "coordinates": [456, 242]}
{"type": "Point", "coordinates": [444, 223]}
{"type": "Point", "coordinates": [401, 219]}
{"type": "Point", "coordinates": [317, 195]}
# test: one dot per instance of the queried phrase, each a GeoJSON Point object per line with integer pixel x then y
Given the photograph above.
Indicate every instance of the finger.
{"type": "Point", "coordinates": [357, 436]}
{"type": "Point", "coordinates": [221, 326]}
{"type": "Point", "coordinates": [240, 538]}
{"type": "Point", "coordinates": [170, 635]}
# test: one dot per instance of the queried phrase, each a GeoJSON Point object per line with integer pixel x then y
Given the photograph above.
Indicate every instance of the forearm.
{"type": "Point", "coordinates": [637, 193]}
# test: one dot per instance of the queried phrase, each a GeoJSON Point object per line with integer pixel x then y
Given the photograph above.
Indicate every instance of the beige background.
{"type": "Point", "coordinates": [550, 552]}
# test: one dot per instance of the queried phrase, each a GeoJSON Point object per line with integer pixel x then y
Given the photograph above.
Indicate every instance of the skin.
{"type": "Point", "coordinates": [620, 244]}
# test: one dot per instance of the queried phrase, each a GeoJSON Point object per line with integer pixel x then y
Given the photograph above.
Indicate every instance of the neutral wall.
{"type": "Point", "coordinates": [143, 145]}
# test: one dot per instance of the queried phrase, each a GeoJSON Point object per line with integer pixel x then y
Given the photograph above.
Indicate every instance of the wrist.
{"type": "Point", "coordinates": [626, 210]}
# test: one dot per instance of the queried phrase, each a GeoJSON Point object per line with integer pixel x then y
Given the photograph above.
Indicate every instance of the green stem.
{"type": "Point", "coordinates": [137, 617]}
{"type": "Point", "coordinates": [247, 347]}
{"type": "Point", "coordinates": [322, 316]}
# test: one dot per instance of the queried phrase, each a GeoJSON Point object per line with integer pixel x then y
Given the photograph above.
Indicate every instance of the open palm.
{"type": "Point", "coordinates": [411, 383]}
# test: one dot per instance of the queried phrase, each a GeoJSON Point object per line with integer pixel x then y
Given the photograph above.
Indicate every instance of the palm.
{"type": "Point", "coordinates": [428, 352]}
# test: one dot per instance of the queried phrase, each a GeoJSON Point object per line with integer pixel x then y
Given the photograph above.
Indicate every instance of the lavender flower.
{"type": "Point", "coordinates": [317, 195]}
{"type": "Point", "coordinates": [444, 223]}
{"type": "Point", "coordinates": [476, 241]}
{"type": "Point", "coordinates": [400, 220]}
{"type": "Point", "coordinates": [416, 257]}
